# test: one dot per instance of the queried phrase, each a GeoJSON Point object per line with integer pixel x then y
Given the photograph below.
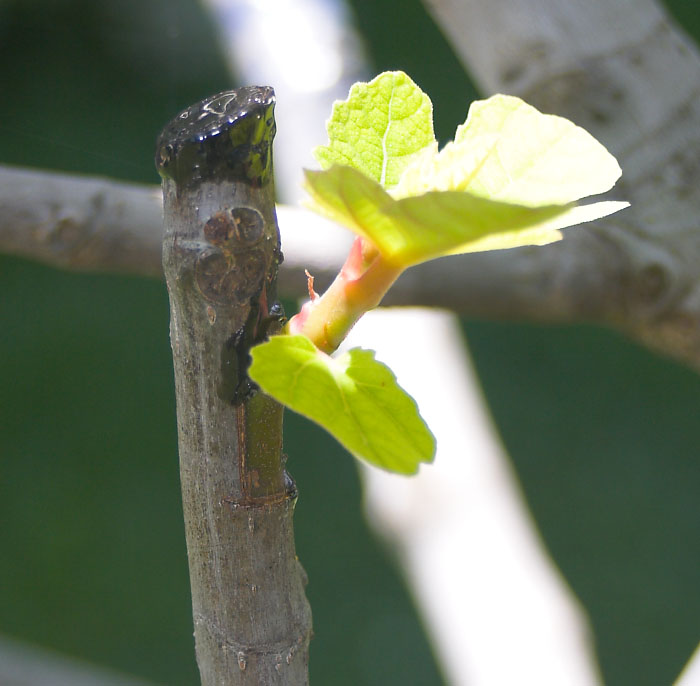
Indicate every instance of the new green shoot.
{"type": "Point", "coordinates": [512, 177]}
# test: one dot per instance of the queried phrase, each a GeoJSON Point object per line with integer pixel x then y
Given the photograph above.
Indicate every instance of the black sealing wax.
{"type": "Point", "coordinates": [226, 137]}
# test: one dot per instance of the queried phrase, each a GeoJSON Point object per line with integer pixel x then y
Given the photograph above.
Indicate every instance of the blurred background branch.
{"type": "Point", "coordinates": [22, 664]}
{"type": "Point", "coordinates": [630, 77]}
{"type": "Point", "coordinates": [612, 273]}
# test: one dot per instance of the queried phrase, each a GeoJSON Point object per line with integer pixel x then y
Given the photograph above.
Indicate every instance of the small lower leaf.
{"type": "Point", "coordinates": [354, 397]}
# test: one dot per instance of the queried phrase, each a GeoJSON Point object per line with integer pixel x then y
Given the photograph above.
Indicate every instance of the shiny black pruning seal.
{"type": "Point", "coordinates": [226, 137]}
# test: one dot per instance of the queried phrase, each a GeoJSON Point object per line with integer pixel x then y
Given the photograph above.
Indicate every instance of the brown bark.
{"type": "Point", "coordinates": [220, 255]}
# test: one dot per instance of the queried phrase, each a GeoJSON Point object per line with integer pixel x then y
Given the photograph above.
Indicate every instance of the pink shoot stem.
{"type": "Point", "coordinates": [361, 284]}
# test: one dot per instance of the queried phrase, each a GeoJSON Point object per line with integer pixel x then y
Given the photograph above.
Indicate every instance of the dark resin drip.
{"type": "Point", "coordinates": [235, 385]}
{"type": "Point", "coordinates": [226, 137]}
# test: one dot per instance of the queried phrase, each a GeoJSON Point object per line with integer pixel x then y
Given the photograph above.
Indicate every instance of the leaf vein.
{"type": "Point", "coordinates": [385, 157]}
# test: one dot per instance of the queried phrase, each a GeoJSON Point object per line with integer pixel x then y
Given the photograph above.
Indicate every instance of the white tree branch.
{"type": "Point", "coordinates": [690, 676]}
{"type": "Point", "coordinates": [22, 664]}
{"type": "Point", "coordinates": [625, 72]}
{"type": "Point", "coordinates": [608, 273]}
{"type": "Point", "coordinates": [622, 70]}
{"type": "Point", "coordinates": [497, 609]}
{"type": "Point", "coordinates": [94, 224]}
{"type": "Point", "coordinates": [81, 223]}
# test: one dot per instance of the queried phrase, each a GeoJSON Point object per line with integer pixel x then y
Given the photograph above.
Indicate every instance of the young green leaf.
{"type": "Point", "coordinates": [415, 229]}
{"type": "Point", "coordinates": [510, 178]}
{"type": "Point", "coordinates": [380, 128]}
{"type": "Point", "coordinates": [509, 151]}
{"type": "Point", "coordinates": [355, 397]}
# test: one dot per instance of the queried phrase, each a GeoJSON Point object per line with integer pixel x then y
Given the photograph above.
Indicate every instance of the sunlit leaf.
{"type": "Point", "coordinates": [354, 397]}
{"type": "Point", "coordinates": [380, 128]}
{"type": "Point", "coordinates": [509, 151]}
{"type": "Point", "coordinates": [511, 177]}
{"type": "Point", "coordinates": [414, 229]}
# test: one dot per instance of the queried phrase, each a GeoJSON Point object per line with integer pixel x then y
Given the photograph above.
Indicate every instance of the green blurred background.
{"type": "Point", "coordinates": [603, 434]}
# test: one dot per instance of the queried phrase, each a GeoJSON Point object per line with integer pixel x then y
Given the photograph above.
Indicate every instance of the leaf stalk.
{"type": "Point", "coordinates": [360, 286]}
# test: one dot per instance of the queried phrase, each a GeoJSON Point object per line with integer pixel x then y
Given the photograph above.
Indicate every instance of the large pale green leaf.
{"type": "Point", "coordinates": [414, 229]}
{"type": "Point", "coordinates": [380, 128]}
{"type": "Point", "coordinates": [507, 150]}
{"type": "Point", "coordinates": [354, 397]}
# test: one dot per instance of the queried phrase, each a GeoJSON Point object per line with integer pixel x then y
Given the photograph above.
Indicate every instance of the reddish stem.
{"type": "Point", "coordinates": [361, 284]}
